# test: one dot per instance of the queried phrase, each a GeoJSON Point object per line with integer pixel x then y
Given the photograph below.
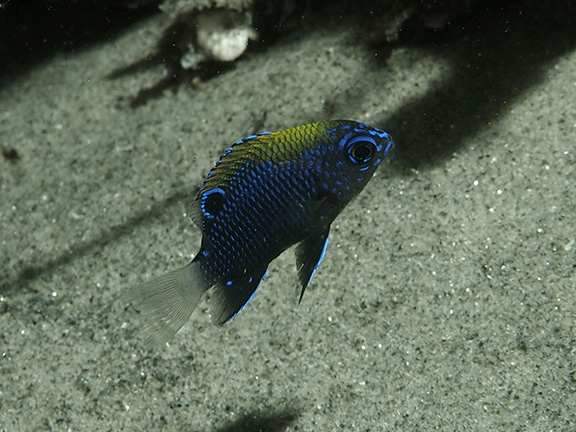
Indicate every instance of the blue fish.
{"type": "Point", "coordinates": [266, 193]}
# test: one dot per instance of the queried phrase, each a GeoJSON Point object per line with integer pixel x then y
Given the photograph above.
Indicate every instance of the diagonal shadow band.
{"type": "Point", "coordinates": [115, 233]}
{"type": "Point", "coordinates": [498, 53]}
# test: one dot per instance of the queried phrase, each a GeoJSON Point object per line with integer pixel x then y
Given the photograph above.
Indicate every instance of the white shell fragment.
{"type": "Point", "coordinates": [221, 35]}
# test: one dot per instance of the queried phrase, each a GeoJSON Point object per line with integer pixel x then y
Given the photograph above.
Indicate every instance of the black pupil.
{"type": "Point", "coordinates": [214, 203]}
{"type": "Point", "coordinates": [361, 153]}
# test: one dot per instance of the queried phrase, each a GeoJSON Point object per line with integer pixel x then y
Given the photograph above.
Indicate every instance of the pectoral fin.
{"type": "Point", "coordinates": [309, 254]}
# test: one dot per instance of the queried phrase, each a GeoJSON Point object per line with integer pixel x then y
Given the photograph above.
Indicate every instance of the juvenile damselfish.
{"type": "Point", "coordinates": [266, 193]}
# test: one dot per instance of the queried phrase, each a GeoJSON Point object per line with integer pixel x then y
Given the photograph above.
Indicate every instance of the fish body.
{"type": "Point", "coordinates": [266, 193]}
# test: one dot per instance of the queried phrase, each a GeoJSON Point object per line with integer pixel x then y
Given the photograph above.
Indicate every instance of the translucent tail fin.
{"type": "Point", "coordinates": [167, 302]}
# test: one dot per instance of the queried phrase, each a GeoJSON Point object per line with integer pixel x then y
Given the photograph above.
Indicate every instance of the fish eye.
{"type": "Point", "coordinates": [212, 202]}
{"type": "Point", "coordinates": [361, 152]}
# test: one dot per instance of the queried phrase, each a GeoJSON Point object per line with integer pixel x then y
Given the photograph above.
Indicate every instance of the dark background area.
{"type": "Point", "coordinates": [31, 31]}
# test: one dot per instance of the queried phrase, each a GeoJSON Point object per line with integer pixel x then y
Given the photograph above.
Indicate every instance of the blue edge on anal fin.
{"type": "Point", "coordinates": [230, 297]}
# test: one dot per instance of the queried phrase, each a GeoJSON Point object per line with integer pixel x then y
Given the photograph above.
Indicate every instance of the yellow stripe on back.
{"type": "Point", "coordinates": [276, 147]}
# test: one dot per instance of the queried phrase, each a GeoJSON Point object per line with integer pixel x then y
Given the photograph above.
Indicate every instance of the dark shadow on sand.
{"type": "Point", "coordinates": [497, 53]}
{"type": "Point", "coordinates": [272, 422]}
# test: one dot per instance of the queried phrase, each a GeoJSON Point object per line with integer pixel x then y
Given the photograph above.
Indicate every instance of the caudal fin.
{"type": "Point", "coordinates": [167, 302]}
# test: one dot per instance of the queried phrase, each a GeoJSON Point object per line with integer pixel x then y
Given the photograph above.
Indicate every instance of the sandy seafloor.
{"type": "Point", "coordinates": [447, 297]}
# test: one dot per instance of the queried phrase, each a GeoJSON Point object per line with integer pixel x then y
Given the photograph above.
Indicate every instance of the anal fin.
{"type": "Point", "coordinates": [229, 297]}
